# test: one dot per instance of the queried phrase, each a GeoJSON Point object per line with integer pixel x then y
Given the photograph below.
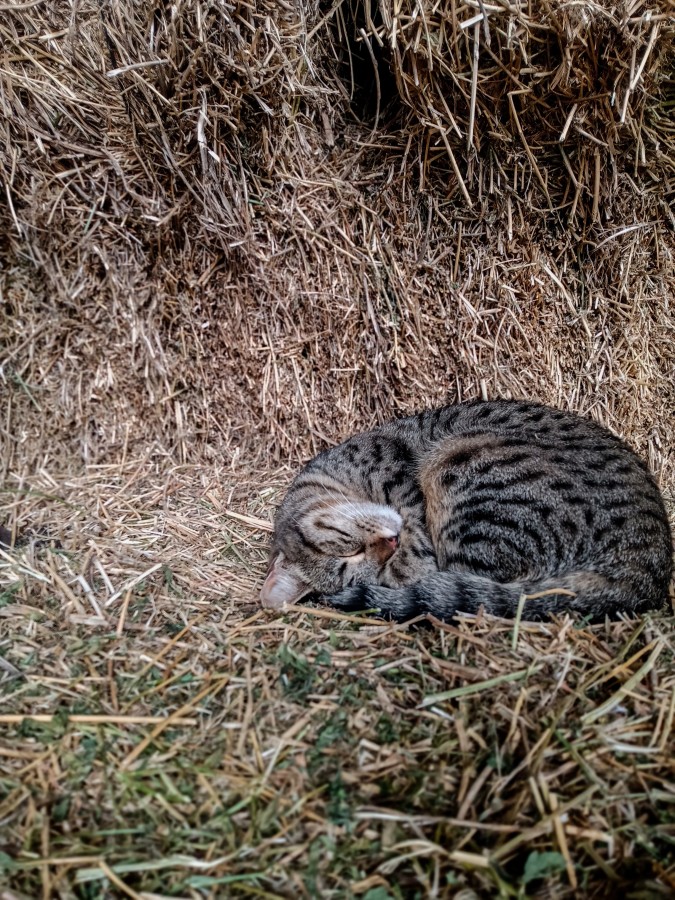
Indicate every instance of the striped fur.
{"type": "Point", "coordinates": [475, 505]}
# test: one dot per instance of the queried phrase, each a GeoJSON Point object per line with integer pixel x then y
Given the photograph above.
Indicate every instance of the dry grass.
{"type": "Point", "coordinates": [227, 244]}
{"type": "Point", "coordinates": [165, 735]}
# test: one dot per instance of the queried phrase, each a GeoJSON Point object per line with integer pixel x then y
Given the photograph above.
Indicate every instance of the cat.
{"type": "Point", "coordinates": [472, 505]}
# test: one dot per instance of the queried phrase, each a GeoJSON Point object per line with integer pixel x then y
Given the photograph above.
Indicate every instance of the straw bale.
{"type": "Point", "coordinates": [551, 101]}
{"type": "Point", "coordinates": [195, 214]}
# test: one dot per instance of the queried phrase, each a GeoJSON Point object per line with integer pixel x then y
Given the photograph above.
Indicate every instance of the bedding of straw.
{"type": "Point", "coordinates": [234, 231]}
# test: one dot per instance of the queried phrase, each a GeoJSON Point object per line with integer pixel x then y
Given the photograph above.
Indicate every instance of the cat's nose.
{"type": "Point", "coordinates": [383, 548]}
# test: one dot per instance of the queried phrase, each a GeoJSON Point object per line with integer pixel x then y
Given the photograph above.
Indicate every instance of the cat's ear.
{"type": "Point", "coordinates": [282, 586]}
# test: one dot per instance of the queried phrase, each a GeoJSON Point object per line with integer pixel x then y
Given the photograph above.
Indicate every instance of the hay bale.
{"type": "Point", "coordinates": [551, 102]}
{"type": "Point", "coordinates": [190, 192]}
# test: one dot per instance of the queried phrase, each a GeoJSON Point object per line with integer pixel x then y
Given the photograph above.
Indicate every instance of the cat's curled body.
{"type": "Point", "coordinates": [475, 505]}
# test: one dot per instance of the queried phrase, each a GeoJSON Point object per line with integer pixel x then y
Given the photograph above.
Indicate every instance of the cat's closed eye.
{"type": "Point", "coordinates": [354, 554]}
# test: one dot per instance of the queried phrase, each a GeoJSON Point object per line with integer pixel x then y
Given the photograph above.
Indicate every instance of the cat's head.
{"type": "Point", "coordinates": [328, 546]}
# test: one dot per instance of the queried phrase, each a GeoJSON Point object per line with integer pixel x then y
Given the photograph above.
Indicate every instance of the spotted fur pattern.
{"type": "Point", "coordinates": [475, 505]}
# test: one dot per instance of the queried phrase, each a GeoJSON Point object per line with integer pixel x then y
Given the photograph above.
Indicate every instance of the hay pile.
{"type": "Point", "coordinates": [202, 196]}
{"type": "Point", "coordinates": [551, 106]}
{"type": "Point", "coordinates": [234, 232]}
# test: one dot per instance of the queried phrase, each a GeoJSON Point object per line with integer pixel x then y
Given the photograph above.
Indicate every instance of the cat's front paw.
{"type": "Point", "coordinates": [392, 603]}
{"type": "Point", "coordinates": [351, 599]}
{"type": "Point", "coordinates": [369, 596]}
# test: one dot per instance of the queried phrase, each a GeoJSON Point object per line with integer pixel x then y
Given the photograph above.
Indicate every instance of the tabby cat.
{"type": "Point", "coordinates": [475, 505]}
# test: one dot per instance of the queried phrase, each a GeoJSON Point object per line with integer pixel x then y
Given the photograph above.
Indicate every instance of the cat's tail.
{"type": "Point", "coordinates": [444, 594]}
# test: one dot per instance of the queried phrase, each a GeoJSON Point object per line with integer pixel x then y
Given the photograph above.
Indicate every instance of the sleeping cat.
{"type": "Point", "coordinates": [475, 505]}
